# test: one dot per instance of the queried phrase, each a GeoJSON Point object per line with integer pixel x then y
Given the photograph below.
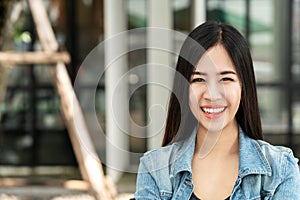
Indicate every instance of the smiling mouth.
{"type": "Point", "coordinates": [213, 110]}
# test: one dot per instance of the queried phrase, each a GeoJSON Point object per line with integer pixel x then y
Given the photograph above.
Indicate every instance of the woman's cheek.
{"type": "Point", "coordinates": [194, 100]}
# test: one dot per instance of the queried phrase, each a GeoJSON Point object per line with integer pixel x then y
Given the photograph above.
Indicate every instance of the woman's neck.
{"type": "Point", "coordinates": [218, 144]}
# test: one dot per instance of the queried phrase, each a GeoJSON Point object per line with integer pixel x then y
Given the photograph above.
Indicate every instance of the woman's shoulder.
{"type": "Point", "coordinates": [161, 154]}
{"type": "Point", "coordinates": [284, 180]}
{"type": "Point", "coordinates": [280, 158]}
{"type": "Point", "coordinates": [163, 158]}
{"type": "Point", "coordinates": [273, 151]}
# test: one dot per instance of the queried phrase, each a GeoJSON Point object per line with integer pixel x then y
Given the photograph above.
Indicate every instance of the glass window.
{"type": "Point", "coordinates": [18, 76]}
{"type": "Point", "coordinates": [14, 113]}
{"type": "Point", "coordinates": [16, 148]}
{"type": "Point", "coordinates": [48, 110]}
{"type": "Point", "coordinates": [137, 13]}
{"type": "Point", "coordinates": [182, 15]}
{"type": "Point", "coordinates": [47, 155]}
{"type": "Point", "coordinates": [137, 103]}
{"type": "Point", "coordinates": [230, 11]}
{"type": "Point", "coordinates": [295, 34]}
{"type": "Point", "coordinates": [296, 40]}
{"type": "Point", "coordinates": [262, 40]}
{"type": "Point", "coordinates": [43, 75]}
{"type": "Point", "coordinates": [297, 145]}
{"type": "Point", "coordinates": [296, 111]}
{"type": "Point", "coordinates": [272, 109]}
{"type": "Point", "coordinates": [296, 121]}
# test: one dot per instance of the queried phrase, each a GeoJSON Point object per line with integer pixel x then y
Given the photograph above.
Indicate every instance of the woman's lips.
{"type": "Point", "coordinates": [213, 112]}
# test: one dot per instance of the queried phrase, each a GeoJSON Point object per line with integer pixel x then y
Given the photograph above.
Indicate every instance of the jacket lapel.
{"type": "Point", "coordinates": [252, 159]}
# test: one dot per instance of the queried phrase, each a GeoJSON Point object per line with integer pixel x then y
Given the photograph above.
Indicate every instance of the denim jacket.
{"type": "Point", "coordinates": [265, 172]}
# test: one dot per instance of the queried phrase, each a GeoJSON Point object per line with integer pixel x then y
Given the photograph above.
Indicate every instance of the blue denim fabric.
{"type": "Point", "coordinates": [265, 172]}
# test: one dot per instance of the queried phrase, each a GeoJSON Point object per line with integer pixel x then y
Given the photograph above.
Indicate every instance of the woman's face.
{"type": "Point", "coordinates": [215, 91]}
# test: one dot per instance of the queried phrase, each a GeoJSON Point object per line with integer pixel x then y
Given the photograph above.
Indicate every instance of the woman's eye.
{"type": "Point", "coordinates": [227, 79]}
{"type": "Point", "coordinates": [197, 80]}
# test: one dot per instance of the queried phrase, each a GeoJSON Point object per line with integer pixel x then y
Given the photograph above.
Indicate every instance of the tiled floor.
{"type": "Point", "coordinates": [125, 186]}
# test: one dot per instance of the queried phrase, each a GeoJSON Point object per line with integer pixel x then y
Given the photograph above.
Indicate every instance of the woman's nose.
{"type": "Point", "coordinates": [213, 91]}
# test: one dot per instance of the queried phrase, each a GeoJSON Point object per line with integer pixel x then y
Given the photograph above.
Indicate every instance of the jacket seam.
{"type": "Point", "coordinates": [285, 160]}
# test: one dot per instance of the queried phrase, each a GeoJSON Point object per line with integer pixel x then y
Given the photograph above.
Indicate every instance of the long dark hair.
{"type": "Point", "coordinates": [180, 121]}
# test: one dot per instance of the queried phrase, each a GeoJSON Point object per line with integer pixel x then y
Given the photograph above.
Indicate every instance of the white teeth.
{"type": "Point", "coordinates": [213, 110]}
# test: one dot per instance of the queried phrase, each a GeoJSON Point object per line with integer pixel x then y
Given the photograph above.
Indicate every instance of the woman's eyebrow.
{"type": "Point", "coordinates": [227, 72]}
{"type": "Point", "coordinates": [220, 73]}
{"type": "Point", "coordinates": [199, 73]}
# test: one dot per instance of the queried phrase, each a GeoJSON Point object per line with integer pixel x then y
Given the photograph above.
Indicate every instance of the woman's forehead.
{"type": "Point", "coordinates": [215, 60]}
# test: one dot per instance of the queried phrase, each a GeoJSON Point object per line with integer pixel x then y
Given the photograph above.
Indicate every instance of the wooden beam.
{"type": "Point", "coordinates": [86, 155]}
{"type": "Point", "coordinates": [43, 26]}
{"type": "Point", "coordinates": [40, 57]}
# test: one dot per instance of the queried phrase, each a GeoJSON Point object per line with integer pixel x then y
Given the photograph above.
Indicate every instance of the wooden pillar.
{"type": "Point", "coordinates": [89, 163]}
{"type": "Point", "coordinates": [198, 12]}
{"type": "Point", "coordinates": [160, 15]}
{"type": "Point", "coordinates": [116, 93]}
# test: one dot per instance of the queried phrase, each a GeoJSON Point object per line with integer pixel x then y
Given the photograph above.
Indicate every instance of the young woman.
{"type": "Point", "coordinates": [213, 145]}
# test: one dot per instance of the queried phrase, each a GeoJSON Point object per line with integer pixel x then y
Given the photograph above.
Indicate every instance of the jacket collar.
{"type": "Point", "coordinates": [183, 159]}
{"type": "Point", "coordinates": [251, 158]}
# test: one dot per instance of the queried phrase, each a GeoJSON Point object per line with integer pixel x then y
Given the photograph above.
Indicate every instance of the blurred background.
{"type": "Point", "coordinates": [34, 141]}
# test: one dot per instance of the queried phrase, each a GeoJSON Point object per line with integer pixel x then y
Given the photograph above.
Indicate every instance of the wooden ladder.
{"type": "Point", "coordinates": [88, 160]}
